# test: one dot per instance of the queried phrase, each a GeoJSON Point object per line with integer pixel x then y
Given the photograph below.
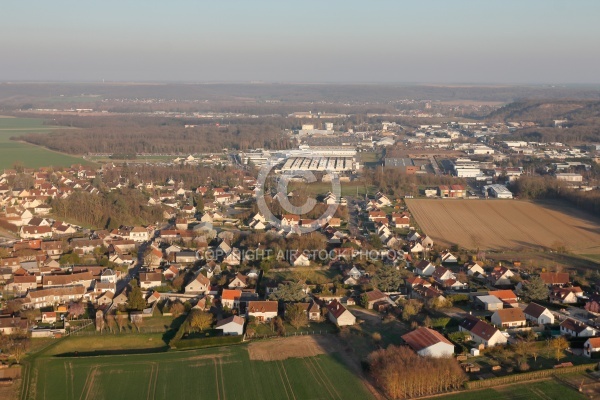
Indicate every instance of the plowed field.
{"type": "Point", "coordinates": [506, 224]}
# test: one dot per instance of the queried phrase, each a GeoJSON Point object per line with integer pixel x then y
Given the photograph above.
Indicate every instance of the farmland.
{"type": "Point", "coordinates": [544, 390]}
{"type": "Point", "coordinates": [29, 155]}
{"type": "Point", "coordinates": [232, 372]}
{"type": "Point", "coordinates": [506, 224]}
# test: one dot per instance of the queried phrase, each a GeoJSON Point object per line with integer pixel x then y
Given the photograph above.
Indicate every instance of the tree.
{"type": "Point", "coordinates": [534, 289]}
{"type": "Point", "coordinates": [375, 241]}
{"type": "Point", "coordinates": [178, 282]}
{"type": "Point", "coordinates": [296, 315]}
{"type": "Point", "coordinates": [410, 309]}
{"type": "Point", "coordinates": [387, 279]}
{"type": "Point", "coordinates": [289, 292]}
{"type": "Point", "coordinates": [177, 309]}
{"type": "Point", "coordinates": [279, 326]}
{"type": "Point", "coordinates": [111, 322]}
{"type": "Point", "coordinates": [364, 300]}
{"type": "Point", "coordinates": [559, 345]}
{"type": "Point", "coordinates": [121, 321]}
{"type": "Point", "coordinates": [135, 299]}
{"type": "Point", "coordinates": [76, 309]}
{"type": "Point", "coordinates": [201, 320]}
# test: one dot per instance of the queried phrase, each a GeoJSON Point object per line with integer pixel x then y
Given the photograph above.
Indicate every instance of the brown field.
{"type": "Point", "coordinates": [281, 349]}
{"type": "Point", "coordinates": [506, 224]}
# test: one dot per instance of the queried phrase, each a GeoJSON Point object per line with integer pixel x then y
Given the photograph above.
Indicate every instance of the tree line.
{"type": "Point", "coordinates": [403, 374]}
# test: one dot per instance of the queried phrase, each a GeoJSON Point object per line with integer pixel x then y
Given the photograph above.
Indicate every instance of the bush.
{"type": "Point", "coordinates": [523, 367]}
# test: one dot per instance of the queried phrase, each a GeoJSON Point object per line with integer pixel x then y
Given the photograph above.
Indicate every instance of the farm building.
{"type": "Point", "coordinates": [427, 342]}
{"type": "Point", "coordinates": [481, 332]}
{"type": "Point", "coordinates": [233, 325]}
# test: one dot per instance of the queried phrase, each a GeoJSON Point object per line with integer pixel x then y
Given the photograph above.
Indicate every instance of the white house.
{"type": "Point", "coordinates": [339, 315]}
{"type": "Point", "coordinates": [427, 342]}
{"type": "Point", "coordinates": [200, 284]}
{"type": "Point", "coordinates": [263, 311]}
{"type": "Point", "coordinates": [592, 345]}
{"type": "Point", "coordinates": [233, 325]}
{"type": "Point", "coordinates": [576, 329]}
{"type": "Point", "coordinates": [481, 332]}
{"type": "Point", "coordinates": [538, 314]}
{"type": "Point", "coordinates": [509, 318]}
{"type": "Point", "coordinates": [425, 268]}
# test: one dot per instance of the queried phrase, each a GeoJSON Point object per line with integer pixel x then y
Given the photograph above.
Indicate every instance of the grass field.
{"type": "Point", "coordinates": [218, 373]}
{"type": "Point", "coordinates": [541, 390]}
{"type": "Point", "coordinates": [506, 224]}
{"type": "Point", "coordinates": [28, 155]}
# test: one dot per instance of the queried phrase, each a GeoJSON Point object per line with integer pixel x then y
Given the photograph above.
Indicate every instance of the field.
{"type": "Point", "coordinates": [28, 155]}
{"type": "Point", "coordinates": [233, 372]}
{"type": "Point", "coordinates": [544, 390]}
{"type": "Point", "coordinates": [507, 224]}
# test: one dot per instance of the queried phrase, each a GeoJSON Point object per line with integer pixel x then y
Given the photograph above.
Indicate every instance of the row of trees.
{"type": "Point", "coordinates": [402, 374]}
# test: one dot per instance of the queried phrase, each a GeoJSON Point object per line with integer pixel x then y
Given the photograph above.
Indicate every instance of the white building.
{"type": "Point", "coordinates": [427, 342]}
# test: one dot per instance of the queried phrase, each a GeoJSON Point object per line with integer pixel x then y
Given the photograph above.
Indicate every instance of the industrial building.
{"type": "Point", "coordinates": [405, 165]}
{"type": "Point", "coordinates": [497, 191]}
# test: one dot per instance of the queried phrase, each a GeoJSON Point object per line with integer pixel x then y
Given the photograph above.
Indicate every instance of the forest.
{"type": "Point", "coordinates": [150, 135]}
{"type": "Point", "coordinates": [110, 210]}
{"type": "Point", "coordinates": [547, 187]}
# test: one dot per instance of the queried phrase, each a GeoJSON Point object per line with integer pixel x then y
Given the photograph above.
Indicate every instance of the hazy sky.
{"type": "Point", "coordinates": [508, 41]}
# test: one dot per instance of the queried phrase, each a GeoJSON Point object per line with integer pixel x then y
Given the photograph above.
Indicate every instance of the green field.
{"type": "Point", "coordinates": [540, 390]}
{"type": "Point", "coordinates": [218, 373]}
{"type": "Point", "coordinates": [28, 155]}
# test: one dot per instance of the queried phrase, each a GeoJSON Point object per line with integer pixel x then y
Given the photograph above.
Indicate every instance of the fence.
{"type": "Point", "coordinates": [527, 376]}
{"type": "Point", "coordinates": [126, 331]}
{"type": "Point", "coordinates": [303, 333]}
{"type": "Point", "coordinates": [79, 328]}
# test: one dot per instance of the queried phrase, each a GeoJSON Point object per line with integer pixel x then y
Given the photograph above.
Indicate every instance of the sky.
{"type": "Point", "coordinates": [345, 41]}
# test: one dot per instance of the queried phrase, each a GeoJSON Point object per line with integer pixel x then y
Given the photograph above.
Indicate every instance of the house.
{"type": "Point", "coordinates": [312, 310]}
{"type": "Point", "coordinates": [171, 272]}
{"type": "Point", "coordinates": [240, 281]}
{"type": "Point", "coordinates": [35, 232]}
{"type": "Point", "coordinates": [591, 346]}
{"type": "Point", "coordinates": [339, 315]}
{"type": "Point", "coordinates": [299, 260]}
{"type": "Point", "coordinates": [555, 278]}
{"type": "Point", "coordinates": [233, 325]}
{"type": "Point", "coordinates": [568, 295]}
{"type": "Point", "coordinates": [105, 298]}
{"type": "Point", "coordinates": [401, 221]}
{"type": "Point", "coordinates": [427, 342]}
{"type": "Point", "coordinates": [538, 314]}
{"type": "Point", "coordinates": [139, 234]}
{"type": "Point", "coordinates": [489, 303]}
{"type": "Point", "coordinates": [576, 328]}
{"type": "Point", "coordinates": [82, 278]}
{"type": "Point", "coordinates": [475, 269]}
{"type": "Point", "coordinates": [448, 258]}
{"type": "Point", "coordinates": [593, 304]}
{"type": "Point", "coordinates": [263, 311]}
{"type": "Point", "coordinates": [199, 285]}
{"type": "Point", "coordinates": [481, 332]}
{"type": "Point", "coordinates": [377, 300]}
{"type": "Point", "coordinates": [49, 317]}
{"type": "Point", "coordinates": [424, 268]}
{"type": "Point", "coordinates": [230, 298]}
{"type": "Point", "coordinates": [442, 274]}
{"type": "Point", "coordinates": [149, 280]}
{"type": "Point", "coordinates": [21, 284]}
{"type": "Point", "coordinates": [509, 318]}
{"type": "Point", "coordinates": [500, 276]}
{"type": "Point", "coordinates": [508, 297]}
{"type": "Point", "coordinates": [290, 220]}
{"type": "Point", "coordinates": [10, 325]}
{"type": "Point", "coordinates": [56, 295]}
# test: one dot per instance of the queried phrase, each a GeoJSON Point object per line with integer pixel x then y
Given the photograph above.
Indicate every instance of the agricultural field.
{"type": "Point", "coordinates": [540, 390]}
{"type": "Point", "coordinates": [296, 368]}
{"type": "Point", "coordinates": [507, 224]}
{"type": "Point", "coordinates": [28, 155]}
